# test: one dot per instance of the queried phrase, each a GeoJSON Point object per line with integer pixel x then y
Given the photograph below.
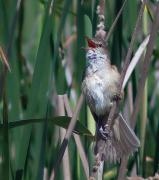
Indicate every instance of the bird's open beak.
{"type": "Point", "coordinates": [91, 44]}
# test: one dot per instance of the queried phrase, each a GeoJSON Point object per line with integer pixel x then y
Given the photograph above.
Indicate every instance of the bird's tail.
{"type": "Point", "coordinates": [123, 142]}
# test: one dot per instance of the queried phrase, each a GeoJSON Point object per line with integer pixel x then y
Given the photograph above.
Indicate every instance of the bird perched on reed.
{"type": "Point", "coordinates": [100, 89]}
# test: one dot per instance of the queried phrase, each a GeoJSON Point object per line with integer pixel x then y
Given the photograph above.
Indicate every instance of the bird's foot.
{"type": "Point", "coordinates": [105, 132]}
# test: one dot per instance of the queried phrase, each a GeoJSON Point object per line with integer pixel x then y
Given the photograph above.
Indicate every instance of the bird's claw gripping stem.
{"type": "Point", "coordinates": [105, 132]}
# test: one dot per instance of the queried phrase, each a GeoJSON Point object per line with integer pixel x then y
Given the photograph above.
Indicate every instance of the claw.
{"type": "Point", "coordinates": [105, 133]}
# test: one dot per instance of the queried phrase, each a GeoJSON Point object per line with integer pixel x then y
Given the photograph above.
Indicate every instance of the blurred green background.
{"type": "Point", "coordinates": [43, 42]}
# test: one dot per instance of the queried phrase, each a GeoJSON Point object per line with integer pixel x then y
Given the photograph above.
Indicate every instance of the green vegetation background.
{"type": "Point", "coordinates": [43, 40]}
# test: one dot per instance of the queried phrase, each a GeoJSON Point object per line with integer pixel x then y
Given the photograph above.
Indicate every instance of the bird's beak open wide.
{"type": "Point", "coordinates": [90, 42]}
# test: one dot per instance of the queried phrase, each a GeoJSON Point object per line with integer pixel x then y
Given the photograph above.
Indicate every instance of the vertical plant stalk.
{"type": "Point", "coordinates": [78, 140]}
{"type": "Point", "coordinates": [100, 171]}
{"type": "Point", "coordinates": [143, 117]}
{"type": "Point", "coordinates": [101, 19]}
{"type": "Point", "coordinates": [5, 159]}
{"type": "Point", "coordinates": [122, 168]}
{"type": "Point", "coordinates": [130, 97]}
{"type": "Point", "coordinates": [13, 27]}
{"type": "Point", "coordinates": [156, 161]}
{"type": "Point", "coordinates": [144, 73]}
{"type": "Point", "coordinates": [67, 137]}
{"type": "Point", "coordinates": [45, 177]}
{"type": "Point", "coordinates": [143, 110]}
{"type": "Point", "coordinates": [65, 160]}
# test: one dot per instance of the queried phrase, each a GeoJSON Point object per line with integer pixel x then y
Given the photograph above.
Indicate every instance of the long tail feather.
{"type": "Point", "coordinates": [128, 135]}
{"type": "Point", "coordinates": [123, 142]}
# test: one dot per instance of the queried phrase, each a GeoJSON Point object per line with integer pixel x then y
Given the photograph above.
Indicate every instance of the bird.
{"type": "Point", "coordinates": [100, 88]}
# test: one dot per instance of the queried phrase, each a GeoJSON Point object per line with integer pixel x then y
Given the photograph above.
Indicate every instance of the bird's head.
{"type": "Point", "coordinates": [97, 49]}
{"type": "Point", "coordinates": [97, 44]}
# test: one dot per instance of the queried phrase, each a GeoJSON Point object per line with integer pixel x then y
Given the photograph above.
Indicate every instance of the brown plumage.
{"type": "Point", "coordinates": [100, 88]}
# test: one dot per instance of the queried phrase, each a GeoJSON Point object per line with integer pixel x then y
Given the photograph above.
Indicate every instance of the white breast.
{"type": "Point", "coordinates": [96, 97]}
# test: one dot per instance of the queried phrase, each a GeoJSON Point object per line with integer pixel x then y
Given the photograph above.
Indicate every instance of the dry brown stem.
{"type": "Point", "coordinates": [67, 136]}
{"type": "Point", "coordinates": [77, 140]}
{"type": "Point", "coordinates": [101, 19]}
{"type": "Point", "coordinates": [65, 160]}
{"type": "Point", "coordinates": [3, 57]}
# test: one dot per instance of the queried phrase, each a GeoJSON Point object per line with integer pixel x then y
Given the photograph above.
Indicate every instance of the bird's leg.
{"type": "Point", "coordinates": [105, 129]}
{"type": "Point", "coordinates": [105, 132]}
